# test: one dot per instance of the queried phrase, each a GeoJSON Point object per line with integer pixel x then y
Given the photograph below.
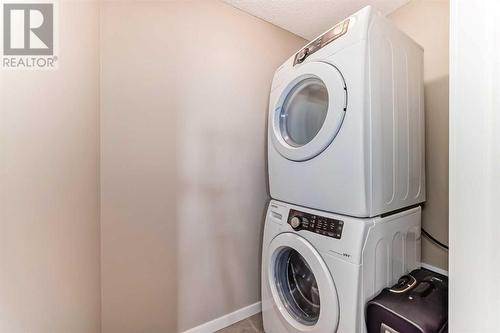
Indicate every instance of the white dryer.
{"type": "Point", "coordinates": [346, 121]}
{"type": "Point", "coordinates": [319, 269]}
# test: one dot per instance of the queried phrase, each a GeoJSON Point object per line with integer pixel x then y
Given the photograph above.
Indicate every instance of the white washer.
{"type": "Point", "coordinates": [346, 121]}
{"type": "Point", "coordinates": [318, 274]}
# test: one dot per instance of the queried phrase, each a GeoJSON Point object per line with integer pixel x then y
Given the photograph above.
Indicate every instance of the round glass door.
{"type": "Point", "coordinates": [301, 285]}
{"type": "Point", "coordinates": [297, 287]}
{"type": "Point", "coordinates": [307, 111]}
{"type": "Point", "coordinates": [304, 111]}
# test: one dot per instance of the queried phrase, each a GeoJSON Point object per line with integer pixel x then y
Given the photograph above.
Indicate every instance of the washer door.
{"type": "Point", "coordinates": [309, 111]}
{"type": "Point", "coordinates": [302, 287]}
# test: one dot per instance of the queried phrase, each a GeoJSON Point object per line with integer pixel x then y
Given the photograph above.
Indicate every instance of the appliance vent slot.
{"type": "Point", "coordinates": [276, 215]}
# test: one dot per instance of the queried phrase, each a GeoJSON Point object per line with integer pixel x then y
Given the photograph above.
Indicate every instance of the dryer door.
{"type": "Point", "coordinates": [302, 287]}
{"type": "Point", "coordinates": [309, 111]}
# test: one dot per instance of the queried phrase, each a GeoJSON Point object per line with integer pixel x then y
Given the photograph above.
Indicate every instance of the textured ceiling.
{"type": "Point", "coordinates": [309, 18]}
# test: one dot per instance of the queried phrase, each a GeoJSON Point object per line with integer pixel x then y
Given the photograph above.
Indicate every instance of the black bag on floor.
{"type": "Point", "coordinates": [418, 303]}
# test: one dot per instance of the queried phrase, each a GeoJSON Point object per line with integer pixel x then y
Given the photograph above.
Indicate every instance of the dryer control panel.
{"type": "Point", "coordinates": [326, 38]}
{"type": "Point", "coordinates": [314, 223]}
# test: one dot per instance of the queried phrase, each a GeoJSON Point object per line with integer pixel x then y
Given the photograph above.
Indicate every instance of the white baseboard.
{"type": "Point", "coordinates": [434, 269]}
{"type": "Point", "coordinates": [226, 320]}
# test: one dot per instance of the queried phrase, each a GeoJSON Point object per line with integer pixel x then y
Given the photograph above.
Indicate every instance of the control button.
{"type": "Point", "coordinates": [295, 222]}
{"type": "Point", "coordinates": [301, 56]}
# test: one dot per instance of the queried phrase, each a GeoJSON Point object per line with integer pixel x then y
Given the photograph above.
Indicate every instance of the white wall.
{"type": "Point", "coordinates": [474, 166]}
{"type": "Point", "coordinates": [49, 193]}
{"type": "Point", "coordinates": [185, 88]}
{"type": "Point", "coordinates": [427, 22]}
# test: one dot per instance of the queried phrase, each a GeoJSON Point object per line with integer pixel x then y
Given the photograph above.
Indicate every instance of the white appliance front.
{"type": "Point", "coordinates": [346, 126]}
{"type": "Point", "coordinates": [319, 269]}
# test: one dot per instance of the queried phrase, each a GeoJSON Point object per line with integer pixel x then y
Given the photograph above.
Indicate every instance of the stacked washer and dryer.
{"type": "Point", "coordinates": [346, 175]}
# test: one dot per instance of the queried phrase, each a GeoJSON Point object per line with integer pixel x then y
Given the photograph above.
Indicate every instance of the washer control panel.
{"type": "Point", "coordinates": [326, 38]}
{"type": "Point", "coordinates": [314, 223]}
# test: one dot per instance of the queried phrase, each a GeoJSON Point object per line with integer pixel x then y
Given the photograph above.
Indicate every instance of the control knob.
{"type": "Point", "coordinates": [295, 222]}
{"type": "Point", "coordinates": [301, 56]}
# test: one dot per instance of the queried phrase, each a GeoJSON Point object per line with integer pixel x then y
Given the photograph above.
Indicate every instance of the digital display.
{"type": "Point", "coordinates": [314, 223]}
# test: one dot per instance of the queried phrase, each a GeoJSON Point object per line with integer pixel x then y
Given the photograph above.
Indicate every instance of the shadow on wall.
{"type": "Point", "coordinates": [213, 229]}
{"type": "Point", "coordinates": [435, 212]}
{"type": "Point", "coordinates": [268, 193]}
{"type": "Point", "coordinates": [222, 179]}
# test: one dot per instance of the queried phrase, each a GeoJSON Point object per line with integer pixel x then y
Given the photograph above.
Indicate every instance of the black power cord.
{"type": "Point", "coordinates": [434, 239]}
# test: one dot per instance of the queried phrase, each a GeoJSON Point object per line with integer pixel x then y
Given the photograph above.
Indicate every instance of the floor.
{"type": "Point", "coordinates": [252, 324]}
